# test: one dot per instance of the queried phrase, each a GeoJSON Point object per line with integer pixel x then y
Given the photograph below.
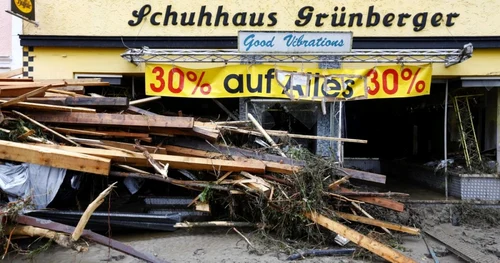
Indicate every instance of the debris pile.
{"type": "Point", "coordinates": [289, 194]}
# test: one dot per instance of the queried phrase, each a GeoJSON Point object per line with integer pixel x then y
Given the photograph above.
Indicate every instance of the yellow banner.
{"type": "Point", "coordinates": [269, 81]}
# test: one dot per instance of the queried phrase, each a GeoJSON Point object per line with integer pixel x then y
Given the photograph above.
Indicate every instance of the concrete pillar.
{"type": "Point", "coordinates": [328, 125]}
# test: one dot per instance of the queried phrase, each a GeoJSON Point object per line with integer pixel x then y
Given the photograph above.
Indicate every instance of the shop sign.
{"type": "Point", "coordinates": [24, 8]}
{"type": "Point", "coordinates": [268, 81]}
{"type": "Point", "coordinates": [294, 42]}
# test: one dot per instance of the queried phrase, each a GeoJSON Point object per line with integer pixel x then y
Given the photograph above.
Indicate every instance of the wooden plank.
{"type": "Point", "coordinates": [114, 103]}
{"type": "Point", "coordinates": [8, 91]}
{"type": "Point", "coordinates": [21, 152]}
{"type": "Point", "coordinates": [366, 176]}
{"type": "Point", "coordinates": [110, 119]}
{"type": "Point", "coordinates": [47, 107]}
{"type": "Point", "coordinates": [77, 82]}
{"type": "Point", "coordinates": [270, 166]}
{"type": "Point", "coordinates": [379, 223]}
{"type": "Point", "coordinates": [364, 241]}
{"type": "Point", "coordinates": [11, 73]}
{"type": "Point", "coordinates": [117, 134]}
{"type": "Point", "coordinates": [46, 128]}
{"type": "Point", "coordinates": [131, 147]}
{"type": "Point", "coordinates": [137, 110]}
{"type": "Point", "coordinates": [232, 151]}
{"type": "Point", "coordinates": [379, 201]}
{"type": "Point", "coordinates": [291, 135]}
{"type": "Point", "coordinates": [175, 162]}
{"type": "Point", "coordinates": [25, 96]}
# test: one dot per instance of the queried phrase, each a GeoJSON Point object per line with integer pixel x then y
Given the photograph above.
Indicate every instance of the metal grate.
{"type": "Point", "coordinates": [447, 56]}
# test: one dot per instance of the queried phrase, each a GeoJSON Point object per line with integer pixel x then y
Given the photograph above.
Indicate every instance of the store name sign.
{"type": "Point", "coordinates": [294, 42]}
{"type": "Point", "coordinates": [334, 17]}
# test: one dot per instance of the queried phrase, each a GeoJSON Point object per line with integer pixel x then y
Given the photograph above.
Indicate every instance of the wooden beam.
{"type": "Point", "coordinates": [110, 119]}
{"type": "Point", "coordinates": [379, 223]}
{"type": "Point", "coordinates": [137, 110]}
{"type": "Point", "coordinates": [175, 162]}
{"type": "Point", "coordinates": [364, 241]}
{"type": "Point", "coordinates": [270, 166]}
{"type": "Point", "coordinates": [113, 103]}
{"type": "Point", "coordinates": [21, 152]}
{"type": "Point", "coordinates": [46, 128]}
{"type": "Point", "coordinates": [9, 91]}
{"type": "Point", "coordinates": [76, 82]}
{"type": "Point", "coordinates": [232, 151]}
{"type": "Point", "coordinates": [105, 134]}
{"type": "Point", "coordinates": [379, 201]}
{"type": "Point", "coordinates": [47, 107]}
{"type": "Point", "coordinates": [11, 73]}
{"type": "Point", "coordinates": [366, 176]}
{"type": "Point", "coordinates": [290, 135]}
{"type": "Point", "coordinates": [25, 96]}
{"type": "Point", "coordinates": [131, 147]}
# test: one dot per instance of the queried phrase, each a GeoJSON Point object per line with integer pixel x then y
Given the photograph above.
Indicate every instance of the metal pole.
{"type": "Point", "coordinates": [446, 141]}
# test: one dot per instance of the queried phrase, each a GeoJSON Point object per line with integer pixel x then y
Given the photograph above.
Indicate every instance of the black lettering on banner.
{"type": "Point", "coordinates": [144, 11]}
{"type": "Point", "coordinates": [258, 88]}
{"type": "Point", "coordinates": [332, 85]}
{"type": "Point", "coordinates": [304, 16]}
{"type": "Point", "coordinates": [297, 88]}
{"type": "Point", "coordinates": [269, 76]}
{"type": "Point", "coordinates": [348, 91]}
{"type": "Point", "coordinates": [238, 78]}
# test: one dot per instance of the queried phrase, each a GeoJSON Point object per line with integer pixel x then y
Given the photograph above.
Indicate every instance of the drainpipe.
{"type": "Point", "coordinates": [446, 141]}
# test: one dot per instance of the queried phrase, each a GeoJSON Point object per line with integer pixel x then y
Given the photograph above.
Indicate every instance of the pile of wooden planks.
{"type": "Point", "coordinates": [112, 136]}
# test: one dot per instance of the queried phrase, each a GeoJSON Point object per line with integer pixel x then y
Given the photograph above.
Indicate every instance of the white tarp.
{"type": "Point", "coordinates": [39, 182]}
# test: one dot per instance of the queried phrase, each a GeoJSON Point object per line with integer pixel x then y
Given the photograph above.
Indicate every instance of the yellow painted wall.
{"type": "Point", "coordinates": [65, 62]}
{"type": "Point", "coordinates": [111, 17]}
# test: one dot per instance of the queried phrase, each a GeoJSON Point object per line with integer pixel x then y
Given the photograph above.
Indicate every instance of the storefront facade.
{"type": "Point", "coordinates": [89, 39]}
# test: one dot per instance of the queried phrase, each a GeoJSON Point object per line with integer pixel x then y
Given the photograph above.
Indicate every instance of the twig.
{"type": "Point", "coordinates": [339, 182]}
{"type": "Point", "coordinates": [342, 197]}
{"type": "Point", "coordinates": [88, 212]}
{"type": "Point", "coordinates": [246, 239]}
{"type": "Point", "coordinates": [268, 138]}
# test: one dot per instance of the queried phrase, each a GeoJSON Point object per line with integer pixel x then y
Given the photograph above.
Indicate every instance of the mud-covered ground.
{"type": "Point", "coordinates": [476, 228]}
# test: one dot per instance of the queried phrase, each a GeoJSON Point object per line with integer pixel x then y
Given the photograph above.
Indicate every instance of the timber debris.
{"type": "Point", "coordinates": [290, 194]}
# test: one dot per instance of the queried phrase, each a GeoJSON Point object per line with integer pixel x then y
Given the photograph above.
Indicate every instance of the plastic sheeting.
{"type": "Point", "coordinates": [24, 180]}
